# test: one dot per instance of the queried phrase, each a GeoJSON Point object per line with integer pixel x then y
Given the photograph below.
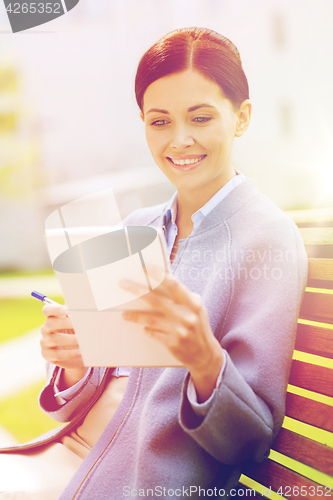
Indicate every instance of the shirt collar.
{"type": "Point", "coordinates": [171, 211]}
{"type": "Point", "coordinates": [198, 216]}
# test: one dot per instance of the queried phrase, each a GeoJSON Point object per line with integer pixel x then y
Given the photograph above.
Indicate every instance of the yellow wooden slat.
{"type": "Point", "coordinates": [320, 269]}
{"type": "Point", "coordinates": [317, 215]}
{"type": "Point", "coordinates": [317, 235]}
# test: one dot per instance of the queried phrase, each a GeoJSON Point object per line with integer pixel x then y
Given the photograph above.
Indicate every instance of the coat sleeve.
{"type": "Point", "coordinates": [68, 410]}
{"type": "Point", "coordinates": [258, 335]}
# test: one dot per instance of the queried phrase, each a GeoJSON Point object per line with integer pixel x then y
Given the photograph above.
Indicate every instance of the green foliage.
{"type": "Point", "coordinates": [22, 417]}
{"type": "Point", "coordinates": [5, 273]}
{"type": "Point", "coordinates": [17, 316]}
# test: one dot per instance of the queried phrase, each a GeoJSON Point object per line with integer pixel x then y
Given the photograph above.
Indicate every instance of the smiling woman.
{"type": "Point", "coordinates": [229, 320]}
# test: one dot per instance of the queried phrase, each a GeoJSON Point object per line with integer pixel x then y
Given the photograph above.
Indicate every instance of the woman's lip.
{"type": "Point", "coordinates": [187, 157]}
{"type": "Point", "coordinates": [190, 166]}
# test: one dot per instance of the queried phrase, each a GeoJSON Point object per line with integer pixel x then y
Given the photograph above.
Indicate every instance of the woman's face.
{"type": "Point", "coordinates": [190, 128]}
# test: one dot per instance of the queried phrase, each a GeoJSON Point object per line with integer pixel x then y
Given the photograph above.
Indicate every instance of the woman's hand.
{"type": "Point", "coordinates": [180, 321]}
{"type": "Point", "coordinates": [59, 345]}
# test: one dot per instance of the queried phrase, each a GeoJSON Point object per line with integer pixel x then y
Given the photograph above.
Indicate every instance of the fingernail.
{"type": "Point", "coordinates": [127, 314]}
{"type": "Point", "coordinates": [63, 310]}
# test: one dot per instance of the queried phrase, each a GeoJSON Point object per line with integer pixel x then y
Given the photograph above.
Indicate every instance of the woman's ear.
{"type": "Point", "coordinates": [243, 117]}
{"type": "Point", "coordinates": [141, 116]}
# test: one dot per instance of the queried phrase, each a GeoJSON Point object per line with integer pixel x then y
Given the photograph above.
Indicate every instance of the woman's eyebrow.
{"type": "Point", "coordinates": [155, 110]}
{"type": "Point", "coordinates": [203, 105]}
{"type": "Point", "coordinates": [192, 108]}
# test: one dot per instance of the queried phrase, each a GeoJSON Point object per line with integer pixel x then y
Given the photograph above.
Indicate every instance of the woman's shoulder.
{"type": "Point", "coordinates": [146, 216]}
{"type": "Point", "coordinates": [253, 208]}
{"type": "Point", "coordinates": [257, 220]}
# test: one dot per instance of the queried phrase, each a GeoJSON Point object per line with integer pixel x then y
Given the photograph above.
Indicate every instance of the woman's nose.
{"type": "Point", "coordinates": [182, 138]}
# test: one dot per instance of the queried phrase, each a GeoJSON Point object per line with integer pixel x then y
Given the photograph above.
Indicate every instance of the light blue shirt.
{"type": "Point", "coordinates": [171, 231]}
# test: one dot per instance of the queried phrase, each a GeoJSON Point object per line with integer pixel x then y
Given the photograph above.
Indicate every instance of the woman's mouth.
{"type": "Point", "coordinates": [188, 162]}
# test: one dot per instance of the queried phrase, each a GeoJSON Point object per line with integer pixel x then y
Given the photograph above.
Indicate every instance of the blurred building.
{"type": "Point", "coordinates": [75, 125]}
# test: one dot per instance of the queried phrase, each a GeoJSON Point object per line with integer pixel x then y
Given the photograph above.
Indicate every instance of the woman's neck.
{"type": "Point", "coordinates": [190, 201]}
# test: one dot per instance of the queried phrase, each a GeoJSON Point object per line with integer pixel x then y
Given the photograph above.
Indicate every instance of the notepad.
{"type": "Point", "coordinates": [89, 260]}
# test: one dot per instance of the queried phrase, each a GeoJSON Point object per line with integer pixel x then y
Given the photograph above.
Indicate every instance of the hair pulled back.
{"type": "Point", "coordinates": [200, 49]}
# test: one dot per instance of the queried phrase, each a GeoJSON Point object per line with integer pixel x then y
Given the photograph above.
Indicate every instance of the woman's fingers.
{"type": "Point", "coordinates": [175, 343]}
{"type": "Point", "coordinates": [178, 319]}
{"type": "Point", "coordinates": [178, 312]}
{"type": "Point", "coordinates": [173, 333]}
{"type": "Point", "coordinates": [181, 294]}
{"type": "Point", "coordinates": [61, 349]}
{"type": "Point", "coordinates": [59, 340]}
{"type": "Point", "coordinates": [152, 320]}
{"type": "Point", "coordinates": [160, 289]}
{"type": "Point", "coordinates": [59, 344]}
{"type": "Point", "coordinates": [170, 288]}
{"type": "Point", "coordinates": [178, 292]}
{"type": "Point", "coordinates": [56, 323]}
{"type": "Point", "coordinates": [54, 310]}
{"type": "Point", "coordinates": [64, 358]}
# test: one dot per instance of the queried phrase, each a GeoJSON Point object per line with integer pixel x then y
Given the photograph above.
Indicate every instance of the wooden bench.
{"type": "Point", "coordinates": [301, 462]}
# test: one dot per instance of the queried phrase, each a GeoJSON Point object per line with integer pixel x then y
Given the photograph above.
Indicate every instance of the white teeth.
{"type": "Point", "coordinates": [187, 161]}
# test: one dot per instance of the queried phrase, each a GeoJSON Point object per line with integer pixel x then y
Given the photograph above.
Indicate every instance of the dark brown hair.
{"type": "Point", "coordinates": [200, 49]}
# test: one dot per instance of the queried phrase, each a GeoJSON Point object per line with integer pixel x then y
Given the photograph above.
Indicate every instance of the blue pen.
{"type": "Point", "coordinates": [44, 298]}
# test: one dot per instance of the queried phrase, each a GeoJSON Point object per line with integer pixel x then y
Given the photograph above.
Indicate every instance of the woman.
{"type": "Point", "coordinates": [228, 311]}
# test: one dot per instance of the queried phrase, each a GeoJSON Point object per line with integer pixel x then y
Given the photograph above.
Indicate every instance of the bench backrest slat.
{"type": "Point", "coordinates": [316, 340]}
{"type": "Point", "coordinates": [314, 337]}
{"type": "Point", "coordinates": [305, 450]}
{"type": "Point", "coordinates": [312, 377]}
{"type": "Point", "coordinates": [317, 307]}
{"type": "Point", "coordinates": [274, 475]}
{"type": "Point", "coordinates": [321, 217]}
{"type": "Point", "coordinates": [317, 235]}
{"type": "Point", "coordinates": [310, 412]}
{"type": "Point", "coordinates": [320, 269]}
{"type": "Point", "coordinates": [320, 273]}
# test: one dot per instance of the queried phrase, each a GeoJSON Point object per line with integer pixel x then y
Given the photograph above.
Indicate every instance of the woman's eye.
{"type": "Point", "coordinates": [202, 119]}
{"type": "Point", "coordinates": [159, 123]}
